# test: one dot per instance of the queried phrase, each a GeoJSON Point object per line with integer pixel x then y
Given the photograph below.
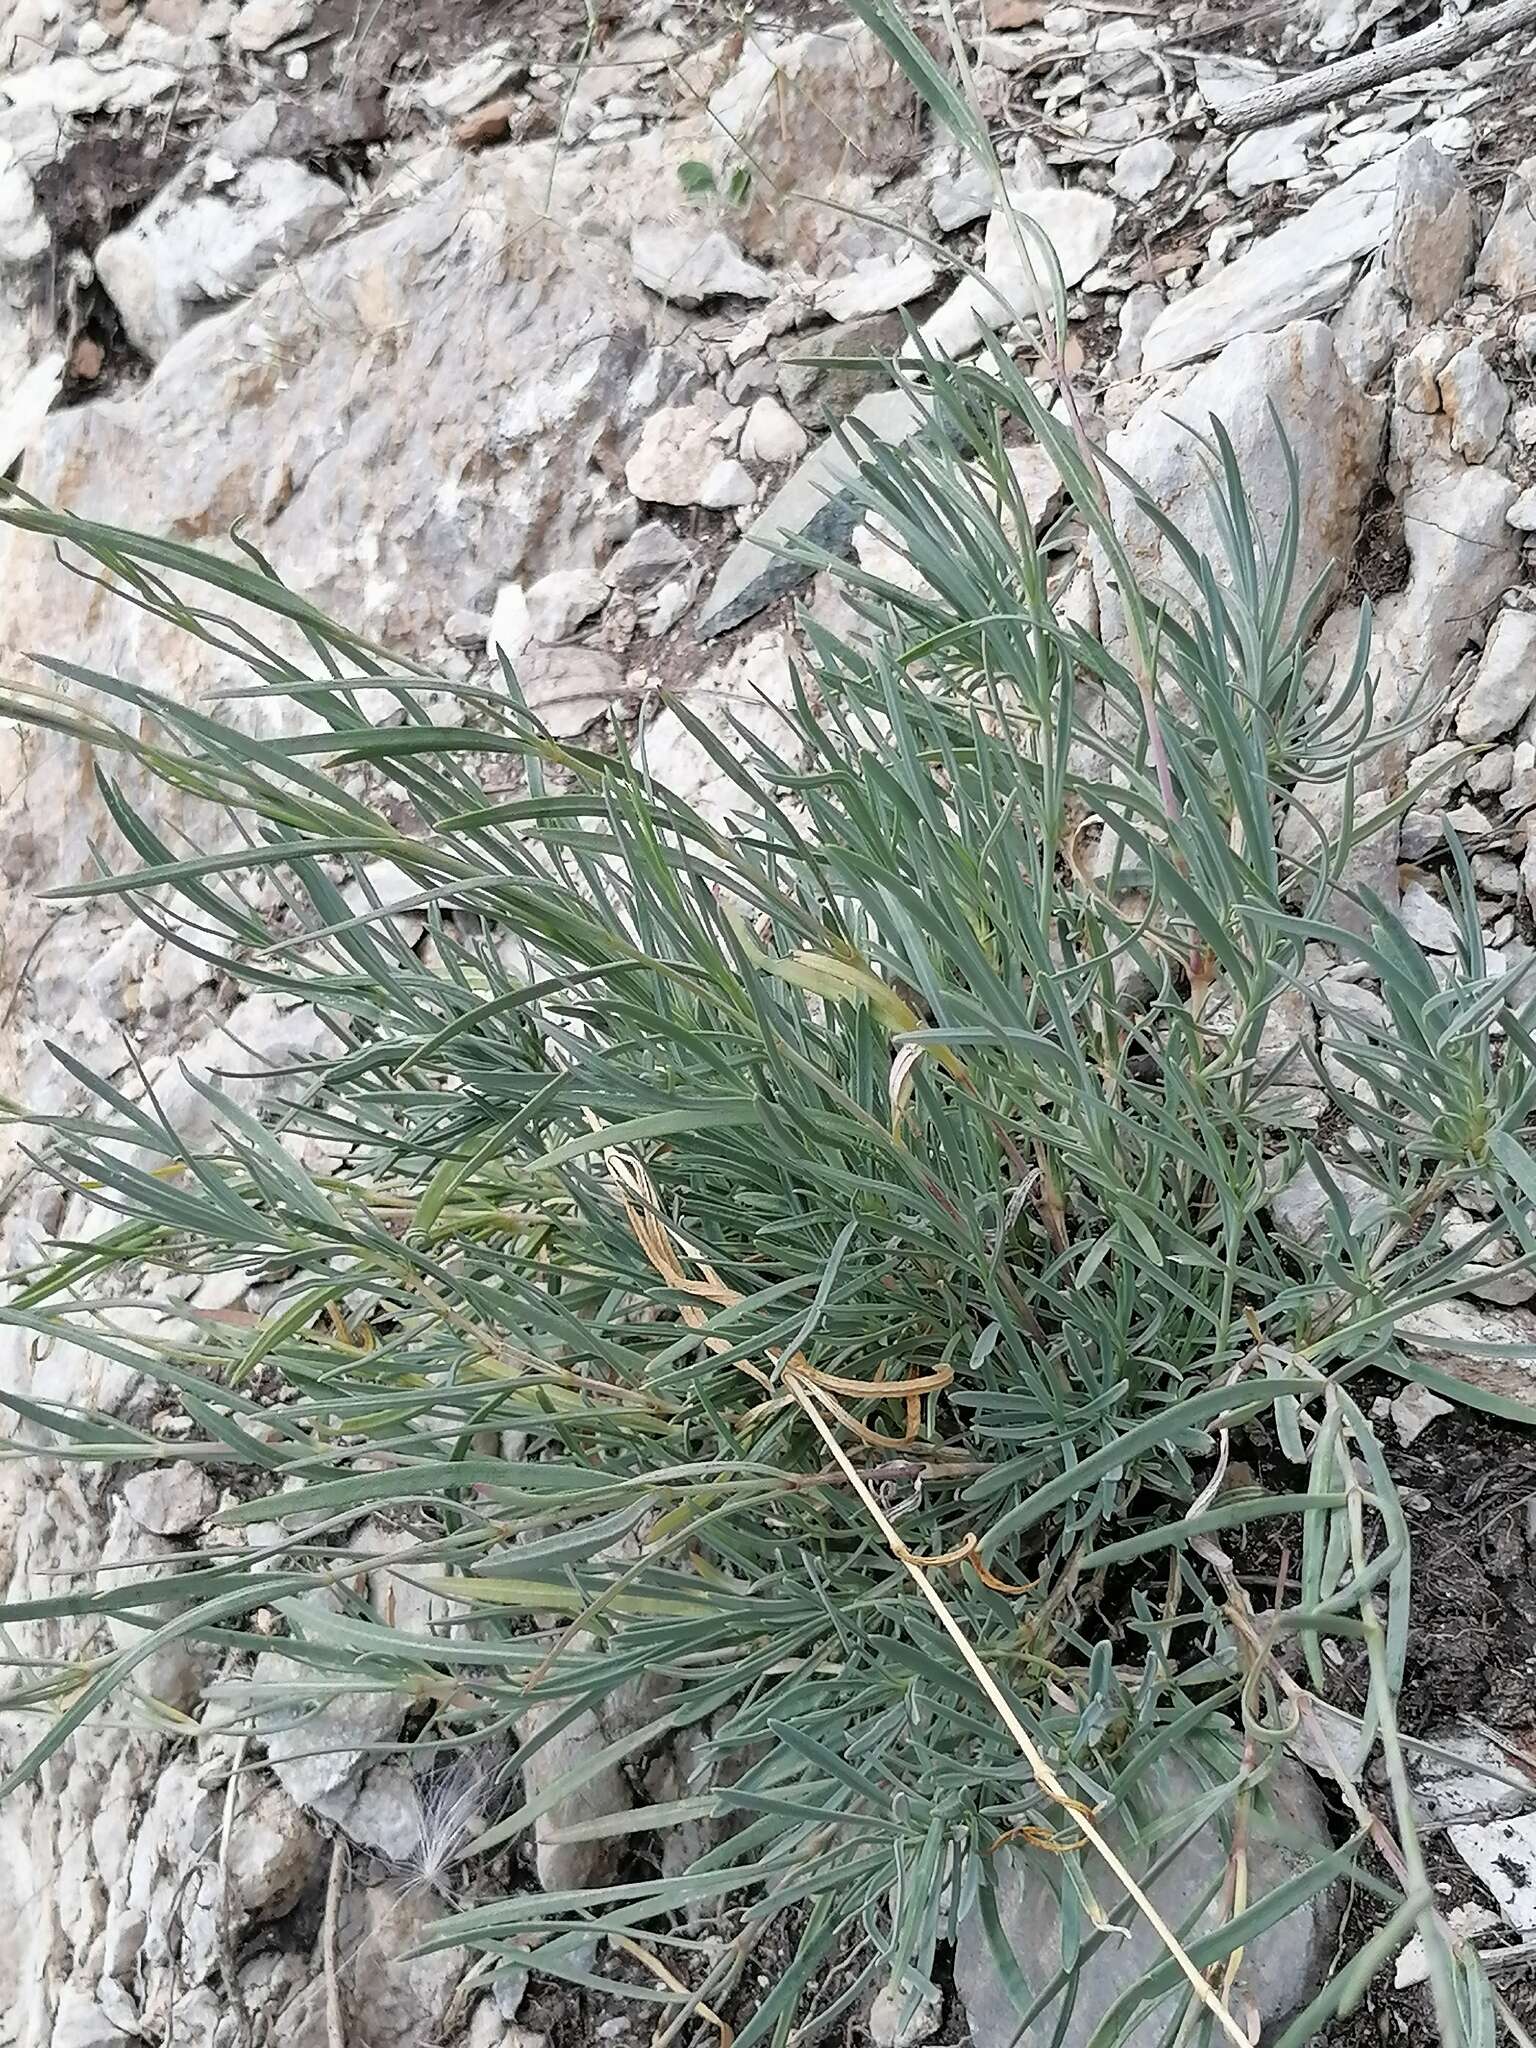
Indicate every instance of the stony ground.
{"type": "Point", "coordinates": [503, 329]}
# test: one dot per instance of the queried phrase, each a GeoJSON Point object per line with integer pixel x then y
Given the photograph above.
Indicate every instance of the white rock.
{"type": "Point", "coordinates": [1434, 230]}
{"type": "Point", "coordinates": [466, 85]}
{"type": "Point", "coordinates": [27, 403]}
{"type": "Point", "coordinates": [1504, 688]}
{"type": "Point", "coordinates": [1502, 1853]}
{"type": "Point", "coordinates": [1428, 921]}
{"type": "Point", "coordinates": [1473, 398]}
{"type": "Point", "coordinates": [170, 1499]}
{"type": "Point", "coordinates": [960, 198]}
{"type": "Point", "coordinates": [1223, 80]}
{"type": "Point", "coordinates": [317, 1743]}
{"type": "Point", "coordinates": [1414, 1409]}
{"type": "Point", "coordinates": [79, 2022]}
{"type": "Point", "coordinates": [81, 85]}
{"type": "Point", "coordinates": [1463, 560]}
{"type": "Point", "coordinates": [1142, 166]}
{"type": "Point", "coordinates": [261, 23]}
{"type": "Point", "coordinates": [688, 265]}
{"type": "Point", "coordinates": [1330, 1741]}
{"type": "Point", "coordinates": [1507, 261]}
{"type": "Point", "coordinates": [273, 1852]}
{"type": "Point", "coordinates": [561, 1864]}
{"type": "Point", "coordinates": [754, 686]}
{"type": "Point", "coordinates": [677, 450]}
{"type": "Point", "coordinates": [772, 434]}
{"type": "Point", "coordinates": [1368, 327]}
{"type": "Point", "coordinates": [1522, 514]}
{"type": "Point", "coordinates": [562, 601]}
{"type": "Point", "coordinates": [1333, 428]}
{"type": "Point", "coordinates": [569, 687]}
{"type": "Point", "coordinates": [1303, 1209]}
{"type": "Point", "coordinates": [728, 485]}
{"type": "Point", "coordinates": [1271, 155]}
{"type": "Point", "coordinates": [1302, 268]}
{"type": "Point", "coordinates": [191, 251]}
{"type": "Point", "coordinates": [1463, 1921]}
{"type": "Point", "coordinates": [905, 2016]}
{"type": "Point", "coordinates": [1471, 1782]}
{"type": "Point", "coordinates": [1078, 226]}
{"type": "Point", "coordinates": [878, 286]}
{"type": "Point", "coordinates": [821, 114]}
{"type": "Point", "coordinates": [511, 624]}
{"type": "Point", "coordinates": [1440, 1334]}
{"type": "Point", "coordinates": [24, 232]}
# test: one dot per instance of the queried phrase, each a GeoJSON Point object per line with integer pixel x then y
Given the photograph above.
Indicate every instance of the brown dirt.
{"type": "Point", "coordinates": [1381, 562]}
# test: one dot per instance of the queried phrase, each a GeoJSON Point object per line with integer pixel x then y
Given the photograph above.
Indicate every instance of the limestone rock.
{"type": "Point", "coordinates": [677, 452]}
{"type": "Point", "coordinates": [1302, 268]}
{"type": "Point", "coordinates": [173, 1673]}
{"type": "Point", "coordinates": [1142, 166]}
{"type": "Point", "coordinates": [878, 286]}
{"type": "Point", "coordinates": [568, 687]}
{"type": "Point", "coordinates": [1303, 1208]}
{"type": "Point", "coordinates": [812, 380]}
{"type": "Point", "coordinates": [81, 2023]}
{"type": "Point", "coordinates": [826, 114]}
{"type": "Point", "coordinates": [752, 690]}
{"type": "Point", "coordinates": [1334, 430]}
{"type": "Point", "coordinates": [23, 227]}
{"type": "Point", "coordinates": [170, 1500]}
{"type": "Point", "coordinates": [194, 249]}
{"type": "Point", "coordinates": [1272, 155]}
{"type": "Point", "coordinates": [1463, 558]}
{"type": "Point", "coordinates": [317, 1745]}
{"type": "Point", "coordinates": [1470, 1782]}
{"type": "Point", "coordinates": [1434, 230]}
{"type": "Point", "coordinates": [1507, 262]}
{"type": "Point", "coordinates": [273, 1853]}
{"type": "Point", "coordinates": [1428, 920]}
{"type": "Point", "coordinates": [1502, 1853]}
{"type": "Point", "coordinates": [814, 504]}
{"type": "Point", "coordinates": [404, 420]}
{"type": "Point", "coordinates": [1076, 223]}
{"type": "Point", "coordinates": [1504, 687]}
{"type": "Point", "coordinates": [689, 267]}
{"type": "Point", "coordinates": [652, 553]}
{"type": "Point", "coordinates": [393, 465]}
{"type": "Point", "coordinates": [261, 23]}
{"type": "Point", "coordinates": [562, 601]}
{"type": "Point", "coordinates": [905, 2016]}
{"type": "Point", "coordinates": [565, 1865]}
{"type": "Point", "coordinates": [1368, 327]}
{"type": "Point", "coordinates": [772, 435]}
{"type": "Point", "coordinates": [960, 197]}
{"type": "Point", "coordinates": [1474, 400]}
{"type": "Point", "coordinates": [1280, 1971]}
{"type": "Point", "coordinates": [1416, 1409]}
{"type": "Point", "coordinates": [1439, 1334]}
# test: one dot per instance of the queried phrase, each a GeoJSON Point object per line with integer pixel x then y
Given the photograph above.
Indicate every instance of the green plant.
{"type": "Point", "coordinates": [700, 183]}
{"type": "Point", "coordinates": [887, 1104]}
{"type": "Point", "coordinates": [803, 1276]}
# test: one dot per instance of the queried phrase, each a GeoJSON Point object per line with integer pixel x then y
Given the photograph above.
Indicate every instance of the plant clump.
{"type": "Point", "coordinates": [726, 1248]}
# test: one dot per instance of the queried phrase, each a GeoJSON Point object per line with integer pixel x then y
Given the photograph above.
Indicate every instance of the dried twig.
{"type": "Point", "coordinates": [1443, 44]}
{"type": "Point", "coordinates": [335, 2024]}
{"type": "Point", "coordinates": [229, 1972]}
